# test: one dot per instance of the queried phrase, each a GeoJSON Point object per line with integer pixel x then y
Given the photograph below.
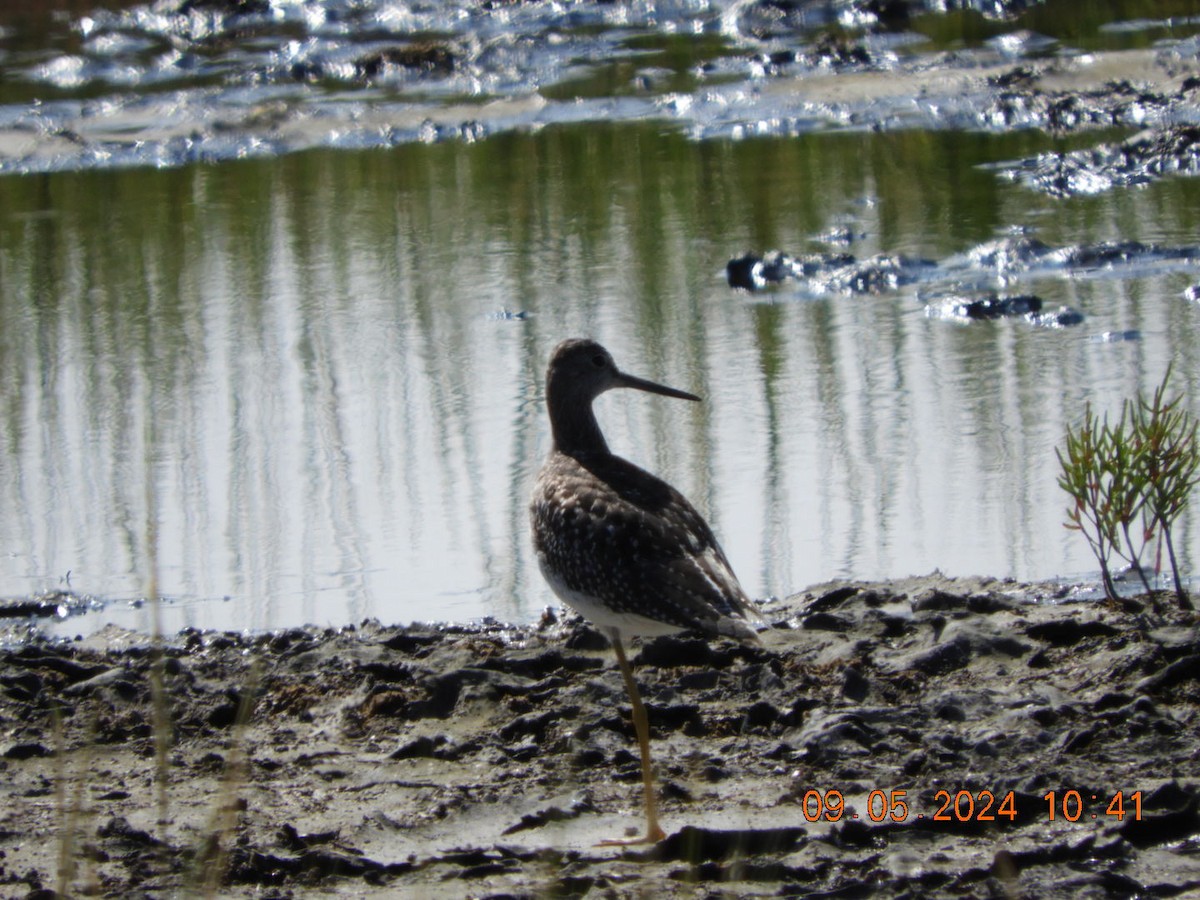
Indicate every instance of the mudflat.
{"type": "Point", "coordinates": [928, 737]}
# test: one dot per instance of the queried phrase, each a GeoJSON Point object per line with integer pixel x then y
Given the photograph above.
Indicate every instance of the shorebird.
{"type": "Point", "coordinates": [619, 545]}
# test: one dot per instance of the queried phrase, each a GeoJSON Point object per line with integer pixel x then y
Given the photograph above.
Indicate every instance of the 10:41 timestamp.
{"type": "Point", "coordinates": [1071, 806]}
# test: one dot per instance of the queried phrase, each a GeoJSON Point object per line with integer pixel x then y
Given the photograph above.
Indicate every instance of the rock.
{"type": "Point", "coordinates": [425, 746]}
{"type": "Point", "coordinates": [412, 643]}
{"type": "Point", "coordinates": [854, 685]}
{"type": "Point", "coordinates": [29, 750]}
{"type": "Point", "coordinates": [944, 658]}
{"type": "Point", "coordinates": [1177, 672]}
{"type": "Point", "coordinates": [826, 622]}
{"type": "Point", "coordinates": [1067, 632]}
{"type": "Point", "coordinates": [1162, 828]}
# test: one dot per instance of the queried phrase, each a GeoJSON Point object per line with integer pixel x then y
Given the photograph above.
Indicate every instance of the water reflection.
{"type": "Point", "coordinates": [285, 383]}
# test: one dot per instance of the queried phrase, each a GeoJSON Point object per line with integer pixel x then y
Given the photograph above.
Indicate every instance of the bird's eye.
{"type": "Point", "coordinates": [598, 361]}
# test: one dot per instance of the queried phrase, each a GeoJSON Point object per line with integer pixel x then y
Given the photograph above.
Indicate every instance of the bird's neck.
{"type": "Point", "coordinates": [574, 426]}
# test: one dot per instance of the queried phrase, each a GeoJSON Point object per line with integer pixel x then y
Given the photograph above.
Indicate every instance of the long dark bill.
{"type": "Point", "coordinates": [641, 384]}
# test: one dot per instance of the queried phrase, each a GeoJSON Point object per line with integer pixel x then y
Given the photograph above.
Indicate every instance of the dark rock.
{"type": "Point", "coordinates": [1075, 741]}
{"type": "Point", "coordinates": [588, 758]}
{"type": "Point", "coordinates": [1039, 660]}
{"type": "Point", "coordinates": [988, 604]}
{"type": "Point", "coordinates": [1111, 700]}
{"type": "Point", "coordinates": [914, 763]}
{"type": "Point", "coordinates": [1067, 632]}
{"type": "Point", "coordinates": [985, 748]}
{"type": "Point", "coordinates": [823, 621]}
{"type": "Point", "coordinates": [895, 626]}
{"type": "Point", "coordinates": [856, 834]}
{"type": "Point", "coordinates": [940, 601]}
{"type": "Point", "coordinates": [833, 599]}
{"type": "Point", "coordinates": [292, 642]}
{"type": "Point", "coordinates": [423, 746]}
{"type": "Point", "coordinates": [1161, 829]}
{"type": "Point", "coordinates": [944, 658]}
{"type": "Point", "coordinates": [761, 714]}
{"type": "Point", "coordinates": [1169, 796]}
{"type": "Point", "coordinates": [854, 685]}
{"type": "Point", "coordinates": [875, 597]}
{"type": "Point", "coordinates": [31, 750]}
{"type": "Point", "coordinates": [951, 712]}
{"type": "Point", "coordinates": [673, 790]}
{"type": "Point", "coordinates": [714, 773]}
{"type": "Point", "coordinates": [223, 715]}
{"type": "Point", "coordinates": [118, 828]}
{"type": "Point", "coordinates": [22, 686]}
{"type": "Point", "coordinates": [839, 737]}
{"type": "Point", "coordinates": [1044, 716]}
{"type": "Point", "coordinates": [1177, 672]}
{"type": "Point", "coordinates": [411, 643]}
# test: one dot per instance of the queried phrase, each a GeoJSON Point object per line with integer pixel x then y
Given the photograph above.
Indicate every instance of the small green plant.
{"type": "Point", "coordinates": [1086, 465]}
{"type": "Point", "coordinates": [1130, 481]}
{"type": "Point", "coordinates": [1170, 463]}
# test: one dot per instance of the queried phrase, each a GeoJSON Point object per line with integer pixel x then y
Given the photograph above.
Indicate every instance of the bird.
{"type": "Point", "coordinates": [621, 546]}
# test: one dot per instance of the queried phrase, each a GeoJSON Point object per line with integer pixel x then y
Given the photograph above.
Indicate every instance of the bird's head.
{"type": "Point", "coordinates": [581, 370]}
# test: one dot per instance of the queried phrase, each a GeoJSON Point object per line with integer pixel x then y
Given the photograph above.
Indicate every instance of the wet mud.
{"type": "Point", "coordinates": [926, 737]}
{"type": "Point", "coordinates": [183, 81]}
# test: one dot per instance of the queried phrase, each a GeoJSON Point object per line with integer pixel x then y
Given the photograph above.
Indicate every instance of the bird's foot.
{"type": "Point", "coordinates": [652, 836]}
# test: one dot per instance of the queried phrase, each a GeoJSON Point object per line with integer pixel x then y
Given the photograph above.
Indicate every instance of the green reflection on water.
{"type": "Point", "coordinates": [297, 356]}
{"type": "Point", "coordinates": [1078, 25]}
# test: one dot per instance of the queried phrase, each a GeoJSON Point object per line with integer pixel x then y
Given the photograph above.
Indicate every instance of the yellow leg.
{"type": "Point", "coordinates": [641, 725]}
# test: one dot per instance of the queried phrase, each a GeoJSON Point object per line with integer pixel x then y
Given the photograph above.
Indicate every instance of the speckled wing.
{"type": "Point", "coordinates": [624, 547]}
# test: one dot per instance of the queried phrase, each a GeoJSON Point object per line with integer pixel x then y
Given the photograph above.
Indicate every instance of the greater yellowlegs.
{"type": "Point", "coordinates": [620, 545]}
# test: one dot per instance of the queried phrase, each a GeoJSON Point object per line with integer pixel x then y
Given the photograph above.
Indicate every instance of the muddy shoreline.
{"type": "Point", "coordinates": [204, 81]}
{"type": "Point", "coordinates": [488, 760]}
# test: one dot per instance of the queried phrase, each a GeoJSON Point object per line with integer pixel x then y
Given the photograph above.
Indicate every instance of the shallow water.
{"type": "Point", "coordinates": [306, 386]}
